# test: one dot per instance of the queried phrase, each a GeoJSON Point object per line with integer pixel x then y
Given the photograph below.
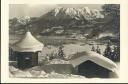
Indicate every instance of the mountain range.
{"type": "Point", "coordinates": [67, 17]}
{"type": "Point", "coordinates": [76, 13]}
{"type": "Point", "coordinates": [76, 19]}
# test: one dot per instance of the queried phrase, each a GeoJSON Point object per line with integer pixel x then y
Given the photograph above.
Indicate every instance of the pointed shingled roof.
{"type": "Point", "coordinates": [28, 44]}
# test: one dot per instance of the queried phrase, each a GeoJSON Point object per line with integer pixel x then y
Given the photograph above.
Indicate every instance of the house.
{"type": "Point", "coordinates": [91, 64]}
{"type": "Point", "coordinates": [26, 51]}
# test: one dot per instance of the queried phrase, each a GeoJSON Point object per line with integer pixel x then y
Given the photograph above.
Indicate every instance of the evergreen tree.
{"type": "Point", "coordinates": [61, 52]}
{"type": "Point", "coordinates": [107, 52]}
{"type": "Point", "coordinates": [116, 53]}
{"type": "Point", "coordinates": [93, 48]}
{"type": "Point", "coordinates": [112, 12]}
{"type": "Point", "coordinates": [98, 50]}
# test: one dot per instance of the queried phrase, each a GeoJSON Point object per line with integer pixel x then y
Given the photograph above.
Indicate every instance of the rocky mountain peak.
{"type": "Point", "coordinates": [85, 12]}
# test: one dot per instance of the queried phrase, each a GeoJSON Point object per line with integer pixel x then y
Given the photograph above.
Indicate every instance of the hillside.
{"type": "Point", "coordinates": [68, 18]}
{"type": "Point", "coordinates": [65, 21]}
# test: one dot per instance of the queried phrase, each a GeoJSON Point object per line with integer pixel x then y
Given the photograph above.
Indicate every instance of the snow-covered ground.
{"type": "Point", "coordinates": [58, 61]}
{"type": "Point", "coordinates": [31, 73]}
{"type": "Point", "coordinates": [50, 71]}
{"type": "Point", "coordinates": [69, 50]}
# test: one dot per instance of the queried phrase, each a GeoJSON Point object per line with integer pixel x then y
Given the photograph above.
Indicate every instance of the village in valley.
{"type": "Point", "coordinates": [66, 42]}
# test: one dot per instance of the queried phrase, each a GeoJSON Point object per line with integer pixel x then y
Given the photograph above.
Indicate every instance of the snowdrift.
{"type": "Point", "coordinates": [33, 73]}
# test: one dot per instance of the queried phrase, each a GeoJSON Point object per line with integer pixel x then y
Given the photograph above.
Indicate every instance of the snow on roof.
{"type": "Point", "coordinates": [28, 44]}
{"type": "Point", "coordinates": [94, 57]}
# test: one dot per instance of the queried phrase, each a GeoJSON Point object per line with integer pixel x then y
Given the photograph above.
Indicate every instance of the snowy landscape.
{"type": "Point", "coordinates": [71, 36]}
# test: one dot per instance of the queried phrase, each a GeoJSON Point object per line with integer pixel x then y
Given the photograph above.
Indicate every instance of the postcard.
{"type": "Point", "coordinates": [64, 41]}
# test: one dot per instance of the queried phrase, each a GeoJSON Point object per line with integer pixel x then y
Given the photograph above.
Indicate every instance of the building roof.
{"type": "Point", "coordinates": [99, 59]}
{"type": "Point", "coordinates": [28, 44]}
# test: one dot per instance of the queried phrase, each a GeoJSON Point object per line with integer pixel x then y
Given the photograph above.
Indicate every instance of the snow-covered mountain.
{"type": "Point", "coordinates": [66, 18]}
{"type": "Point", "coordinates": [77, 13]}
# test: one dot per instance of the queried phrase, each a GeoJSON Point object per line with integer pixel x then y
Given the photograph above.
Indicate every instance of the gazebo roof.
{"type": "Point", "coordinates": [28, 44]}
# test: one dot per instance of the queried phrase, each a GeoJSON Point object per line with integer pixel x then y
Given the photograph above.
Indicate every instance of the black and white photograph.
{"type": "Point", "coordinates": [64, 41]}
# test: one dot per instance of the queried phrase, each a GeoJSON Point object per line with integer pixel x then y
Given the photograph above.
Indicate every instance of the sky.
{"type": "Point", "coordinates": [36, 10]}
